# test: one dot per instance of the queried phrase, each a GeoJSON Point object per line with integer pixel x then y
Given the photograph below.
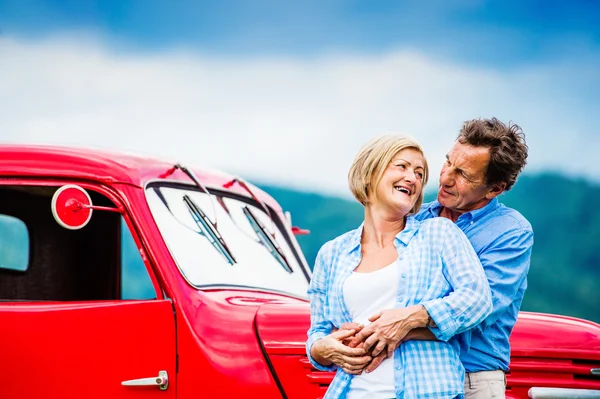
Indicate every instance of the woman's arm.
{"type": "Point", "coordinates": [325, 350]}
{"type": "Point", "coordinates": [470, 300]}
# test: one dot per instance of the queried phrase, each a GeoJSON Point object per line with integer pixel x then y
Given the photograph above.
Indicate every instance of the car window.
{"type": "Point", "coordinates": [225, 241]}
{"type": "Point", "coordinates": [42, 261]}
{"type": "Point", "coordinates": [14, 245]}
{"type": "Point", "coordinates": [135, 281]}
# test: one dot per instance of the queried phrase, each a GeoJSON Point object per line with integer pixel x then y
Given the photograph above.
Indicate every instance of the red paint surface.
{"type": "Point", "coordinates": [85, 349]}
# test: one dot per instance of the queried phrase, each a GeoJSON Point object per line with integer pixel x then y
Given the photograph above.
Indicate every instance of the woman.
{"type": "Point", "coordinates": [399, 274]}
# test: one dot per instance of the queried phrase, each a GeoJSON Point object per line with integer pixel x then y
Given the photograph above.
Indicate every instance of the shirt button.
{"type": "Point", "coordinates": [403, 275]}
{"type": "Point", "coordinates": [400, 299]}
{"type": "Point", "coordinates": [397, 367]}
{"type": "Point", "coordinates": [472, 222]}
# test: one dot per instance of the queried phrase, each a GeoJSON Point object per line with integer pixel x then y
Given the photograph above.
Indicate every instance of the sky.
{"type": "Point", "coordinates": [286, 92]}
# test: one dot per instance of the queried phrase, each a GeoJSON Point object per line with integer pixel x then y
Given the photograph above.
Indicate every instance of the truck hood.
{"type": "Point", "coordinates": [282, 329]}
{"type": "Point", "coordinates": [544, 335]}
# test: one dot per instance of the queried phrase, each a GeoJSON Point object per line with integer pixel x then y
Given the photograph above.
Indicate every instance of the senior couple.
{"type": "Point", "coordinates": [420, 300]}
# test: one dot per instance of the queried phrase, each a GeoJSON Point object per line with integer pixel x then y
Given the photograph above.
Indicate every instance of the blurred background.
{"type": "Point", "coordinates": [284, 93]}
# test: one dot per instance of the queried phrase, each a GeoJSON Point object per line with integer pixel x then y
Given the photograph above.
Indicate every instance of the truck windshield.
{"type": "Point", "coordinates": [226, 240]}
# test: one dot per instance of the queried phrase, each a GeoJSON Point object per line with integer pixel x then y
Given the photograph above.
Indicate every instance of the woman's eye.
{"type": "Point", "coordinates": [419, 175]}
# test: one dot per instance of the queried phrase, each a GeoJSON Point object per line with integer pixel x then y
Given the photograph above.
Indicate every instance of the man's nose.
{"type": "Point", "coordinates": [446, 177]}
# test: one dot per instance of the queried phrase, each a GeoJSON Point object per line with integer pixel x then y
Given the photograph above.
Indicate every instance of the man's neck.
{"type": "Point", "coordinates": [450, 214]}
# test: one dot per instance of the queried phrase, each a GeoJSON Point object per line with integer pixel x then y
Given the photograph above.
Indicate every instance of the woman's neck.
{"type": "Point", "coordinates": [380, 228]}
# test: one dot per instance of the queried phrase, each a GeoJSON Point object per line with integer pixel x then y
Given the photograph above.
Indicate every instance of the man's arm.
{"type": "Point", "coordinates": [506, 263]}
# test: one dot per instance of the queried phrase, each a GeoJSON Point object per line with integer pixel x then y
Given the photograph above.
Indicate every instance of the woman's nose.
{"type": "Point", "coordinates": [409, 176]}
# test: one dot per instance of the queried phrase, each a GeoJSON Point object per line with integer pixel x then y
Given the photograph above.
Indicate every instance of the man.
{"type": "Point", "coordinates": [484, 162]}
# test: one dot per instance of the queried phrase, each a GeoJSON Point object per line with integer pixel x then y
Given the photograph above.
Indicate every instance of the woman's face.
{"type": "Point", "coordinates": [401, 183]}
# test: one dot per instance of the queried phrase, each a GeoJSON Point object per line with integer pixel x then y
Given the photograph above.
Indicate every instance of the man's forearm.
{"type": "Point", "coordinates": [420, 334]}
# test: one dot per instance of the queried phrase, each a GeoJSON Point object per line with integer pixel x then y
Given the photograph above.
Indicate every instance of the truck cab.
{"type": "Point", "coordinates": [125, 276]}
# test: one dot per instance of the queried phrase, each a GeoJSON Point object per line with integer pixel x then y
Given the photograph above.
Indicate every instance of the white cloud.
{"type": "Point", "coordinates": [296, 122]}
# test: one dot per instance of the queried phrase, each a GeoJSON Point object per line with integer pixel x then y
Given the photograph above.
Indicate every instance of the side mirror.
{"type": "Point", "coordinates": [72, 207]}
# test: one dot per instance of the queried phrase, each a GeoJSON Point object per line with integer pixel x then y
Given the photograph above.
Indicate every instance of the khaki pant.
{"type": "Point", "coordinates": [485, 385]}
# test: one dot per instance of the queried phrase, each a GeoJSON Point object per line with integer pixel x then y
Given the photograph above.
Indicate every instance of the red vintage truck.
{"type": "Point", "coordinates": [128, 277]}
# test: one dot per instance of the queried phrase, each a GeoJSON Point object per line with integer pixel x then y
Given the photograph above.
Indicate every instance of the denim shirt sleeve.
{"type": "Point", "coordinates": [470, 300]}
{"type": "Point", "coordinates": [320, 326]}
{"type": "Point", "coordinates": [506, 263]}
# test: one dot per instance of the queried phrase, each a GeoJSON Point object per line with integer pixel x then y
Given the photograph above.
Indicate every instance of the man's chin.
{"type": "Point", "coordinates": [443, 201]}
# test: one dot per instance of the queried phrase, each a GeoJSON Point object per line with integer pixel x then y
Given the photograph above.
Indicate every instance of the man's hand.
{"type": "Point", "coordinates": [389, 327]}
{"type": "Point", "coordinates": [331, 350]}
{"type": "Point", "coordinates": [350, 341]}
{"type": "Point", "coordinates": [376, 361]}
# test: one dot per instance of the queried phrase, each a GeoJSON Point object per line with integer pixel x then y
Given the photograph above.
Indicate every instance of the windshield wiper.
{"type": "Point", "coordinates": [208, 229]}
{"type": "Point", "coordinates": [266, 239]}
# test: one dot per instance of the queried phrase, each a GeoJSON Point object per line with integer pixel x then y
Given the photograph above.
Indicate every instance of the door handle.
{"type": "Point", "coordinates": [162, 381]}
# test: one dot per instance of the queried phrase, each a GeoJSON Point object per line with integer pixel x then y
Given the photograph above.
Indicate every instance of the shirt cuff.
{"type": "Point", "coordinates": [309, 343]}
{"type": "Point", "coordinates": [445, 323]}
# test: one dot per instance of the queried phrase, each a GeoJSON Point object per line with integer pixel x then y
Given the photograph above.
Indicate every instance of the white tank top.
{"type": "Point", "coordinates": [366, 294]}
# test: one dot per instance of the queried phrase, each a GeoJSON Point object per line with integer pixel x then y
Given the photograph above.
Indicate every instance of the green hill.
{"type": "Point", "coordinates": [565, 265]}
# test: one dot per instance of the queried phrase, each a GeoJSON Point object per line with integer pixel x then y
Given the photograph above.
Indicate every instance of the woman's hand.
{"type": "Point", "coordinates": [389, 327]}
{"type": "Point", "coordinates": [350, 341]}
{"type": "Point", "coordinates": [331, 350]}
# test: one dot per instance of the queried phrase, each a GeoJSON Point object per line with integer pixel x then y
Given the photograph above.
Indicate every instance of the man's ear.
{"type": "Point", "coordinates": [496, 190]}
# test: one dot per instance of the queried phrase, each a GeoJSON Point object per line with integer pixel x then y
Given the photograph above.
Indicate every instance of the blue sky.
{"type": "Point", "coordinates": [505, 32]}
{"type": "Point", "coordinates": [315, 79]}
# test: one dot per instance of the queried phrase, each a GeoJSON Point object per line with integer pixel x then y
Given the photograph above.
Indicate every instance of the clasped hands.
{"type": "Point", "coordinates": [356, 348]}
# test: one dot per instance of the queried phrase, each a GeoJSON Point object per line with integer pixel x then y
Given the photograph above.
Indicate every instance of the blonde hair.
{"type": "Point", "coordinates": [372, 160]}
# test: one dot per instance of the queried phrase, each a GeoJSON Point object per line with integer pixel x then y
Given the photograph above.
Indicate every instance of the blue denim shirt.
{"type": "Point", "coordinates": [502, 238]}
{"type": "Point", "coordinates": [439, 269]}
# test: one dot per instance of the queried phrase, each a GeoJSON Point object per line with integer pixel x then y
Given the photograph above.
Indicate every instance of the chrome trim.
{"type": "Point", "coordinates": [563, 393]}
{"type": "Point", "coordinates": [595, 371]}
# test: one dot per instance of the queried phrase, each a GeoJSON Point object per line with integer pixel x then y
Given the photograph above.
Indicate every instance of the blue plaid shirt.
{"type": "Point", "coordinates": [439, 269]}
{"type": "Point", "coordinates": [502, 239]}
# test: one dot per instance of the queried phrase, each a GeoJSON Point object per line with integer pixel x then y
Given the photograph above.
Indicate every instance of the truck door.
{"type": "Point", "coordinates": [79, 315]}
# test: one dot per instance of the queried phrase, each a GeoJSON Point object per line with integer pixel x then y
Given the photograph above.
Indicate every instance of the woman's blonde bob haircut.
{"type": "Point", "coordinates": [372, 160]}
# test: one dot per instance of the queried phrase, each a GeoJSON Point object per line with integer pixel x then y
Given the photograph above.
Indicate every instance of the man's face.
{"type": "Point", "coordinates": [462, 179]}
